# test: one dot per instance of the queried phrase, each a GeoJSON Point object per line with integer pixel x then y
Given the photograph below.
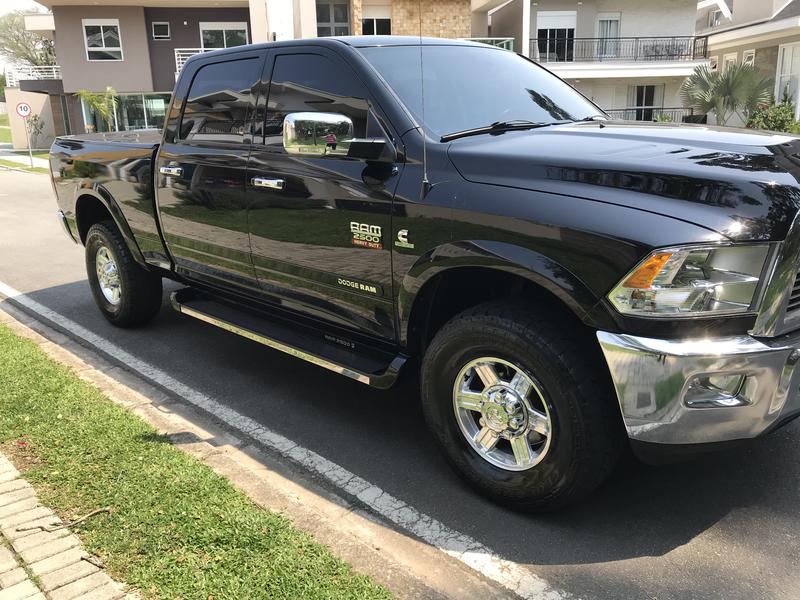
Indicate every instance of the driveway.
{"type": "Point", "coordinates": [726, 526]}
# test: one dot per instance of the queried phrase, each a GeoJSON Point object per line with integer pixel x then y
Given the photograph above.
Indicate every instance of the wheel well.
{"type": "Point", "coordinates": [458, 289]}
{"type": "Point", "coordinates": [88, 211]}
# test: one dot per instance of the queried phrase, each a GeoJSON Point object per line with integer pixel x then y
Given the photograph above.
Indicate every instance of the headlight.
{"type": "Point", "coordinates": [692, 281]}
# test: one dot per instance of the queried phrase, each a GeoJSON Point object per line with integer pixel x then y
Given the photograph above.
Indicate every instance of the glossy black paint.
{"type": "Point", "coordinates": [569, 208]}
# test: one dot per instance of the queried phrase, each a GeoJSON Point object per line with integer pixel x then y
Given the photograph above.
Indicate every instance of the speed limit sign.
{"type": "Point", "coordinates": [24, 110]}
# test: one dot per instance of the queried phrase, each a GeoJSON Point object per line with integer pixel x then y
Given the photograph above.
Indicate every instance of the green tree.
{"type": "Point", "coordinates": [736, 90]}
{"type": "Point", "coordinates": [104, 105]}
{"type": "Point", "coordinates": [20, 46]}
{"type": "Point", "coordinates": [2, 87]}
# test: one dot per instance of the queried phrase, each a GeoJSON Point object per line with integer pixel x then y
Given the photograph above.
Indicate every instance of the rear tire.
{"type": "Point", "coordinates": [126, 293]}
{"type": "Point", "coordinates": [547, 432]}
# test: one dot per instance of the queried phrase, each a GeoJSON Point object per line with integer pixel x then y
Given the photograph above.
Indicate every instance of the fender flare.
{"type": "Point", "coordinates": [102, 195]}
{"type": "Point", "coordinates": [525, 263]}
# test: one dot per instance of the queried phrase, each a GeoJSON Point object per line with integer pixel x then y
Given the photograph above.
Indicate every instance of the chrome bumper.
{"type": "Point", "coordinates": [662, 401]}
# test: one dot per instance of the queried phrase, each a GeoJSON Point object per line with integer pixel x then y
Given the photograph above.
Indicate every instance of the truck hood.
{"type": "Point", "coordinates": [741, 183]}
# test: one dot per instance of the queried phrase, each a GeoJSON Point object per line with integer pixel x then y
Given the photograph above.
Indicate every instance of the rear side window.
{"type": "Point", "coordinates": [219, 102]}
{"type": "Point", "coordinates": [311, 82]}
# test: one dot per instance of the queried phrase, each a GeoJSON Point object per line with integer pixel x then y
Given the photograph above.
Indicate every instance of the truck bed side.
{"type": "Point", "coordinates": [110, 173]}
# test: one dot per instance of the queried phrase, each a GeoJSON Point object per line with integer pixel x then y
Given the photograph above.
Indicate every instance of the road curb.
{"type": "Point", "coordinates": [408, 567]}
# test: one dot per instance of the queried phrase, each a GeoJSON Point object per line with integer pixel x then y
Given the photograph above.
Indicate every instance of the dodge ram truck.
{"type": "Point", "coordinates": [564, 286]}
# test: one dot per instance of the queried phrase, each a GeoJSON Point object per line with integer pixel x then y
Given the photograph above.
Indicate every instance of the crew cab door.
{"type": "Point", "coordinates": [201, 172]}
{"type": "Point", "coordinates": [320, 226]}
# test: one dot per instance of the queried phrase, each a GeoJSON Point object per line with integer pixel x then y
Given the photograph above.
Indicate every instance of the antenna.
{"type": "Point", "coordinates": [426, 185]}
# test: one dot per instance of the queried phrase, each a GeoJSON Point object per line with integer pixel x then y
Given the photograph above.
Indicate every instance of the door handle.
{"type": "Point", "coordinates": [264, 182]}
{"type": "Point", "coordinates": [174, 171]}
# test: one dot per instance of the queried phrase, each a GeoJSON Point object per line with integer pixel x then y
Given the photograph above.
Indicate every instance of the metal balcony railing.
{"type": "Point", "coordinates": [15, 74]}
{"type": "Point", "coordinates": [627, 49]}
{"type": "Point", "coordinates": [505, 43]}
{"type": "Point", "coordinates": [184, 54]}
{"type": "Point", "coordinates": [674, 115]}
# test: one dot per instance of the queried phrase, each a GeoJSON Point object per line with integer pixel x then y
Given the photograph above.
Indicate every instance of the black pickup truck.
{"type": "Point", "coordinates": [567, 285]}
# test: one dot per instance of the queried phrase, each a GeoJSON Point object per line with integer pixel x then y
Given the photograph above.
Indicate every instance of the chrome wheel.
{"type": "Point", "coordinates": [107, 275]}
{"type": "Point", "coordinates": [502, 413]}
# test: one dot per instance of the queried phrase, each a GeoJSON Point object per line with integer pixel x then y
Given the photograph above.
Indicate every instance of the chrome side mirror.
{"type": "Point", "coordinates": [317, 134]}
{"type": "Point", "coordinates": [331, 134]}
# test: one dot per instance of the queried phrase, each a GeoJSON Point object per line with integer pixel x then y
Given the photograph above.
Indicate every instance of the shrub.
{"type": "Point", "coordinates": [775, 117]}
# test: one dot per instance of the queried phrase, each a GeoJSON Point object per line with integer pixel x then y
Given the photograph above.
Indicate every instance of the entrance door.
{"type": "Point", "coordinates": [555, 34]}
{"type": "Point", "coordinates": [200, 185]}
{"type": "Point", "coordinates": [788, 75]}
{"type": "Point", "coordinates": [320, 235]}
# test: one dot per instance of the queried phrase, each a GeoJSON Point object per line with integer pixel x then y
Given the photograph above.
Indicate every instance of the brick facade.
{"type": "Point", "coordinates": [440, 18]}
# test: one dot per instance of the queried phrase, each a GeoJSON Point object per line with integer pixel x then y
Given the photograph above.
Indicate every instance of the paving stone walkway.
{"type": "Point", "coordinates": [39, 564]}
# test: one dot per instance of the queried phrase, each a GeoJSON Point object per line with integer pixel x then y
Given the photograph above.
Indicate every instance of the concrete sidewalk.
{"type": "Point", "coordinates": [38, 561]}
{"type": "Point", "coordinates": [23, 159]}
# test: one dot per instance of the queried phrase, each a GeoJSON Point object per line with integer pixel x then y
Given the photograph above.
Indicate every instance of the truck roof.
{"type": "Point", "coordinates": [356, 41]}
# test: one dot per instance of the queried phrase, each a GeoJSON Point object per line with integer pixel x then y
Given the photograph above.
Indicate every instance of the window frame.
{"type": "Point", "coordinates": [713, 63]}
{"type": "Point", "coordinates": [247, 139]}
{"type": "Point", "coordinates": [101, 23]}
{"type": "Point", "coordinates": [153, 31]}
{"type": "Point", "coordinates": [333, 23]}
{"type": "Point", "coordinates": [223, 26]}
{"type": "Point", "coordinates": [751, 54]}
{"type": "Point", "coordinates": [726, 60]}
{"type": "Point", "coordinates": [713, 20]}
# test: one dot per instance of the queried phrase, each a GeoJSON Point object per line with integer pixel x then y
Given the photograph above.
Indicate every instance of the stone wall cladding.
{"type": "Point", "coordinates": [440, 18]}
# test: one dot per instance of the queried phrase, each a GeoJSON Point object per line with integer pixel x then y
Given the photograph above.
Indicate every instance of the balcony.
{"type": "Point", "coordinates": [616, 50]}
{"type": "Point", "coordinates": [16, 74]}
{"type": "Point", "coordinates": [671, 115]}
{"type": "Point", "coordinates": [505, 43]}
{"type": "Point", "coordinates": [184, 54]}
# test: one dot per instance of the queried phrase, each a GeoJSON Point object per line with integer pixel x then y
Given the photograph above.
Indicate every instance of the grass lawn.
{"type": "Point", "coordinates": [24, 167]}
{"type": "Point", "coordinates": [176, 530]}
{"type": "Point", "coordinates": [5, 135]}
{"type": "Point", "coordinates": [4, 120]}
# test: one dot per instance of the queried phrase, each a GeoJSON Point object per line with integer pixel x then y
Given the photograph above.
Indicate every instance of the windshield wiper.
{"type": "Point", "coordinates": [499, 127]}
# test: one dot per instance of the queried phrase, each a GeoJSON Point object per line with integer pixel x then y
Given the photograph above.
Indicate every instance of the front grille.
{"type": "Point", "coordinates": [794, 299]}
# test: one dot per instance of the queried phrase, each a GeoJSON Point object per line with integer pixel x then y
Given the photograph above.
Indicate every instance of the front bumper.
{"type": "Point", "coordinates": [657, 386]}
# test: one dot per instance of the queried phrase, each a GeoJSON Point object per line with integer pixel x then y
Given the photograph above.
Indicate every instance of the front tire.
{"type": "Point", "coordinates": [127, 294]}
{"type": "Point", "coordinates": [519, 406]}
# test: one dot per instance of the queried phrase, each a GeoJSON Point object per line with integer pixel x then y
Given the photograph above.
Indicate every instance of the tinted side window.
{"type": "Point", "coordinates": [219, 100]}
{"type": "Point", "coordinates": [311, 82]}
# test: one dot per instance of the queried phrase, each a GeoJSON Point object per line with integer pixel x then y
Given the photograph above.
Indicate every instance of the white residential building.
{"type": "Point", "coordinates": [628, 56]}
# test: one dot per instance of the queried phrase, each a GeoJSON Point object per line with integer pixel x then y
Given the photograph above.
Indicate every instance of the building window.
{"type": "Point", "coordinates": [728, 60]}
{"type": "Point", "coordinates": [787, 75]}
{"type": "Point", "coordinates": [333, 18]}
{"type": "Point", "coordinates": [749, 58]}
{"type": "Point", "coordinates": [715, 18]}
{"type": "Point", "coordinates": [222, 35]}
{"type": "Point", "coordinates": [645, 101]}
{"type": "Point", "coordinates": [102, 39]}
{"type": "Point", "coordinates": [133, 111]}
{"type": "Point", "coordinates": [161, 31]}
{"type": "Point", "coordinates": [555, 34]}
{"type": "Point", "coordinates": [713, 62]}
{"type": "Point", "coordinates": [608, 34]}
{"type": "Point", "coordinates": [376, 26]}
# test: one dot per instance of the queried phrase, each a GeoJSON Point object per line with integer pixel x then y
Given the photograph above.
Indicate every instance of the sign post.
{"type": "Point", "coordinates": [24, 111]}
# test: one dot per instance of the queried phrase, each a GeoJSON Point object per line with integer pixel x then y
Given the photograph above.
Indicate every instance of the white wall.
{"type": "Point", "coordinates": [613, 94]}
{"type": "Point", "coordinates": [40, 103]}
{"type": "Point", "coordinates": [645, 18]}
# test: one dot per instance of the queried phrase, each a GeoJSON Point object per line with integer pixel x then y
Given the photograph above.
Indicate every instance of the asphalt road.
{"type": "Point", "coordinates": [726, 526]}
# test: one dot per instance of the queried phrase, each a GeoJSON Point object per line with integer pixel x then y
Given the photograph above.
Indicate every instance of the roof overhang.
{"type": "Point", "coordinates": [755, 33]}
{"type": "Point", "coordinates": [606, 70]}
{"type": "Point", "coordinates": [148, 3]}
{"type": "Point", "coordinates": [718, 4]}
{"type": "Point", "coordinates": [486, 5]}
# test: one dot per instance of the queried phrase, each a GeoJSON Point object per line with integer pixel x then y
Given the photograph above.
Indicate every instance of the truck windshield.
{"type": "Point", "coordinates": [468, 87]}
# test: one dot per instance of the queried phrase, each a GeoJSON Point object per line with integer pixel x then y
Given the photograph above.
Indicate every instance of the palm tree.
{"type": "Point", "coordinates": [735, 90]}
{"type": "Point", "coordinates": [104, 105]}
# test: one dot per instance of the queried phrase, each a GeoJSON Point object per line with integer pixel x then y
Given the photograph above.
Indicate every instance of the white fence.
{"type": "Point", "coordinates": [15, 74]}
